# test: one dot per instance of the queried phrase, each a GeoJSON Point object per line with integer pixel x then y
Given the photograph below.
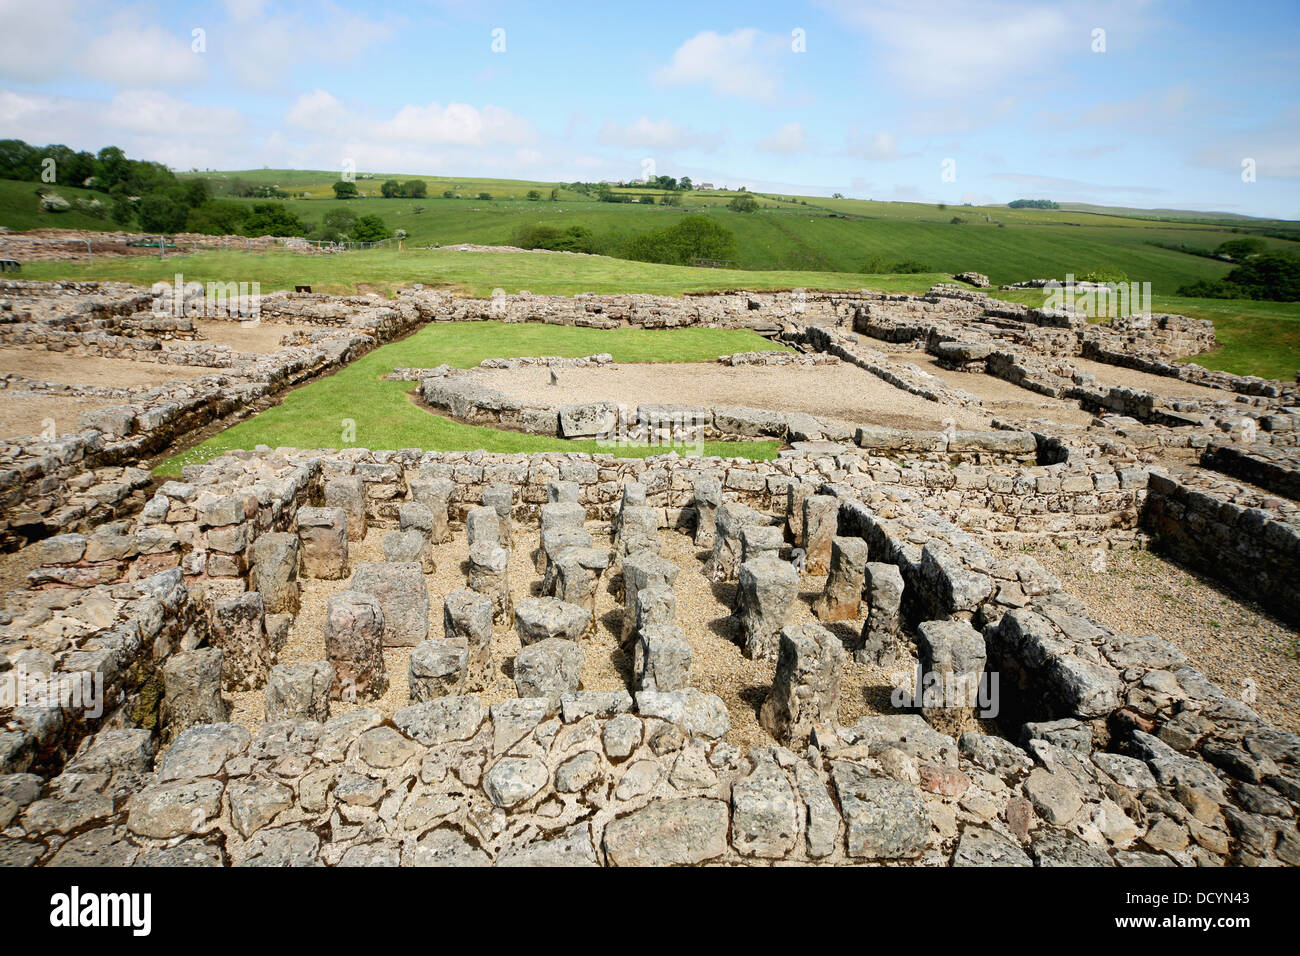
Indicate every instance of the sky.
{"type": "Point", "coordinates": [1117, 102]}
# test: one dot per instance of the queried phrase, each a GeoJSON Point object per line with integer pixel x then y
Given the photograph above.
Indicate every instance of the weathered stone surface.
{"type": "Point", "coordinates": [489, 576]}
{"type": "Point", "coordinates": [483, 524]}
{"type": "Point", "coordinates": [764, 812]}
{"type": "Point", "coordinates": [192, 690]}
{"type": "Point", "coordinates": [981, 847]}
{"type": "Point", "coordinates": [300, 690]}
{"type": "Point", "coordinates": [408, 547]}
{"type": "Point", "coordinates": [760, 541]}
{"type": "Point", "coordinates": [885, 819]}
{"type": "Point", "coordinates": [537, 619]}
{"type": "Point", "coordinates": [952, 659]}
{"type": "Point", "coordinates": [549, 668]}
{"type": "Point", "coordinates": [653, 606]}
{"type": "Point", "coordinates": [435, 494]}
{"type": "Point", "coordinates": [512, 780]}
{"type": "Point", "coordinates": [354, 644]}
{"type": "Point", "coordinates": [806, 689]}
{"type": "Point", "coordinates": [202, 751]}
{"type": "Point", "coordinates": [693, 710]}
{"type": "Point", "coordinates": [167, 810]}
{"type": "Point", "coordinates": [469, 616]}
{"type": "Point", "coordinates": [402, 594]}
{"type": "Point", "coordinates": [842, 596]}
{"type": "Point", "coordinates": [884, 591]}
{"type": "Point", "coordinates": [130, 749]}
{"type": "Point", "coordinates": [237, 628]}
{"type": "Point", "coordinates": [323, 542]}
{"type": "Point", "coordinates": [445, 846]}
{"type": "Point", "coordinates": [643, 570]}
{"type": "Point", "coordinates": [822, 824]}
{"type": "Point", "coordinates": [662, 659]}
{"type": "Point", "coordinates": [684, 831]}
{"type": "Point", "coordinates": [706, 498]}
{"type": "Point", "coordinates": [274, 572]}
{"type": "Point", "coordinates": [820, 521]}
{"type": "Point", "coordinates": [589, 420]}
{"type": "Point", "coordinates": [438, 668]}
{"type": "Point", "coordinates": [766, 591]}
{"type": "Point", "coordinates": [349, 493]}
{"type": "Point", "coordinates": [441, 720]}
{"type": "Point", "coordinates": [725, 558]}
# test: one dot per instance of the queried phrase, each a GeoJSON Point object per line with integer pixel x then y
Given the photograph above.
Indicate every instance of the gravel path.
{"type": "Point", "coordinates": [717, 666]}
{"type": "Point", "coordinates": [842, 392]}
{"type": "Point", "coordinates": [1231, 641]}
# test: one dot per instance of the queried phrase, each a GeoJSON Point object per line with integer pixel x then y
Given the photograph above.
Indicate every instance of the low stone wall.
{"type": "Point", "coordinates": [1230, 534]}
{"type": "Point", "coordinates": [1271, 468]}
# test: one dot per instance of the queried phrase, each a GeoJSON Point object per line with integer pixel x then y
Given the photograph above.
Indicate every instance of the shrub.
{"type": "Point", "coordinates": [1102, 274]}
{"type": "Point", "coordinates": [391, 189]}
{"type": "Point", "coordinates": [573, 239]}
{"type": "Point", "coordinates": [487, 196]}
{"type": "Point", "coordinates": [695, 237]}
{"type": "Point", "coordinates": [415, 189]}
{"type": "Point", "coordinates": [743, 204]}
{"type": "Point", "coordinates": [345, 190]}
{"type": "Point", "coordinates": [370, 229]}
{"type": "Point", "coordinates": [273, 219]}
{"type": "Point", "coordinates": [161, 214]}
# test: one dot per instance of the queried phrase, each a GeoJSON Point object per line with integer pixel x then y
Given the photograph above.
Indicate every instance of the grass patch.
{"type": "Point", "coordinates": [383, 415]}
{"type": "Point", "coordinates": [472, 273]}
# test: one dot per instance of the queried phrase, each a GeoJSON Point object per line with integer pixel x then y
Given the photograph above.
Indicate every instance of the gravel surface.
{"type": "Point", "coordinates": [717, 666]}
{"type": "Point", "coordinates": [263, 338]}
{"type": "Point", "coordinates": [1004, 399]}
{"type": "Point", "coordinates": [842, 392]}
{"type": "Point", "coordinates": [1235, 644]}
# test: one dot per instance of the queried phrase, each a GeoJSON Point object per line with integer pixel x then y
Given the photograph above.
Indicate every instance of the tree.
{"type": "Point", "coordinates": [448, 194]}
{"type": "Point", "coordinates": [415, 189]}
{"type": "Point", "coordinates": [649, 199]}
{"type": "Point", "coordinates": [161, 214]}
{"type": "Point", "coordinates": [685, 184]}
{"type": "Point", "coordinates": [555, 194]}
{"type": "Point", "coordinates": [485, 196]}
{"type": "Point", "coordinates": [217, 218]}
{"type": "Point", "coordinates": [370, 229]}
{"type": "Point", "coordinates": [695, 237]}
{"type": "Point", "coordinates": [743, 204]}
{"type": "Point", "coordinates": [345, 190]}
{"type": "Point", "coordinates": [273, 219]}
{"type": "Point", "coordinates": [391, 189]}
{"type": "Point", "coordinates": [534, 195]}
{"type": "Point", "coordinates": [1240, 248]}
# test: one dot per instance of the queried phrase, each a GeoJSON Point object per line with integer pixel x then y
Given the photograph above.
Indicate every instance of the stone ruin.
{"type": "Point", "coordinates": [205, 672]}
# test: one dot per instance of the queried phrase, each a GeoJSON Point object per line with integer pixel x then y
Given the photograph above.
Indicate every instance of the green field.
{"type": "Point", "coordinates": [474, 273]}
{"type": "Point", "coordinates": [787, 233]}
{"type": "Point", "coordinates": [381, 414]}
{"type": "Point", "coordinates": [791, 242]}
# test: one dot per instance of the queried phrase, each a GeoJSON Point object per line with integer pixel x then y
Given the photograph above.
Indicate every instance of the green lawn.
{"type": "Point", "coordinates": [380, 414]}
{"type": "Point", "coordinates": [474, 273]}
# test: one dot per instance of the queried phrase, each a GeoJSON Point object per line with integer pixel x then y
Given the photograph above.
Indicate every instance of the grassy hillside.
{"type": "Point", "coordinates": [20, 208]}
{"type": "Point", "coordinates": [825, 235]}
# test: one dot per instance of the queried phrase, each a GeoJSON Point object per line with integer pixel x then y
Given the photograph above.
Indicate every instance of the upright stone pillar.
{"type": "Point", "coordinates": [840, 599]}
{"type": "Point", "coordinates": [767, 589]}
{"type": "Point", "coordinates": [806, 689]}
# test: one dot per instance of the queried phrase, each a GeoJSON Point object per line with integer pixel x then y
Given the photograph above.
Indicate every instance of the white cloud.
{"type": "Point", "coordinates": [645, 133]}
{"type": "Point", "coordinates": [786, 141]}
{"type": "Point", "coordinates": [742, 63]}
{"type": "Point", "coordinates": [129, 56]}
{"type": "Point", "coordinates": [961, 48]}
{"type": "Point", "coordinates": [878, 147]}
{"type": "Point", "coordinates": [262, 52]}
{"type": "Point", "coordinates": [457, 124]}
{"type": "Point", "coordinates": [154, 113]}
{"type": "Point", "coordinates": [36, 47]}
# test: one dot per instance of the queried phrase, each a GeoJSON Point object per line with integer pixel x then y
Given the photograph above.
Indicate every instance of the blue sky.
{"type": "Point", "coordinates": [874, 100]}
